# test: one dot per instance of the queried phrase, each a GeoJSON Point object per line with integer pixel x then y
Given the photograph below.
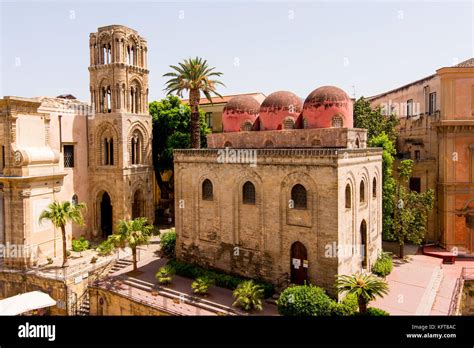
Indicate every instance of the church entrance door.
{"type": "Point", "coordinates": [106, 215]}
{"type": "Point", "coordinates": [299, 263]}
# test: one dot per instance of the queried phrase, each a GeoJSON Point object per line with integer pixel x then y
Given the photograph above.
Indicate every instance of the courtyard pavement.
{"type": "Point", "coordinates": [178, 297]}
{"type": "Point", "coordinates": [420, 284]}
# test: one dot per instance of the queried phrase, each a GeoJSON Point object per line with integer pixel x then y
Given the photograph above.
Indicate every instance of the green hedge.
{"type": "Point", "coordinates": [81, 244]}
{"type": "Point", "coordinates": [348, 306]}
{"type": "Point", "coordinates": [168, 243]}
{"type": "Point", "coordinates": [220, 279]}
{"type": "Point", "coordinates": [376, 312]}
{"type": "Point", "coordinates": [304, 300]}
{"type": "Point", "coordinates": [383, 266]}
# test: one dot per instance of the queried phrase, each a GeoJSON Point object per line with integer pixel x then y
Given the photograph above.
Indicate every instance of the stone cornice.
{"type": "Point", "coordinates": [131, 68]}
{"type": "Point", "coordinates": [454, 125]}
{"type": "Point", "coordinates": [325, 157]}
{"type": "Point", "coordinates": [4, 179]}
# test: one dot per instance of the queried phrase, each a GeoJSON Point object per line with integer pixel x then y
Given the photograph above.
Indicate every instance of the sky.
{"type": "Point", "coordinates": [363, 47]}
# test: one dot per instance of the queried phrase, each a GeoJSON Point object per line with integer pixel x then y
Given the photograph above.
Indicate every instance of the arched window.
{"type": "Point", "coordinates": [132, 100]}
{"type": "Point", "coordinates": [374, 188]}
{"type": "Point", "coordinates": [127, 58]}
{"type": "Point", "coordinates": [288, 123]}
{"type": "Point", "coordinates": [248, 193]}
{"type": "Point", "coordinates": [108, 159]}
{"type": "Point", "coordinates": [337, 122]}
{"type": "Point", "coordinates": [74, 200]}
{"type": "Point", "coordinates": [298, 196]}
{"type": "Point", "coordinates": [107, 53]}
{"type": "Point", "coordinates": [363, 243]}
{"type": "Point", "coordinates": [135, 104]}
{"type": "Point", "coordinates": [133, 56]}
{"type": "Point", "coordinates": [104, 54]}
{"type": "Point", "coordinates": [207, 190]}
{"type": "Point", "coordinates": [348, 196]}
{"type": "Point", "coordinates": [362, 192]}
{"type": "Point", "coordinates": [247, 126]}
{"type": "Point", "coordinates": [357, 143]}
{"type": "Point", "coordinates": [109, 100]}
{"type": "Point", "coordinates": [136, 147]}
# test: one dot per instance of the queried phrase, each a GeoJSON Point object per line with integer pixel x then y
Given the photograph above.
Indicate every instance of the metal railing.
{"type": "Point", "coordinates": [81, 301]}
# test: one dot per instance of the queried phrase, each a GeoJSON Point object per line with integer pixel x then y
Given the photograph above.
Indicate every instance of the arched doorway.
{"type": "Point", "coordinates": [138, 205]}
{"type": "Point", "coordinates": [363, 242]}
{"type": "Point", "coordinates": [105, 215]}
{"type": "Point", "coordinates": [299, 263]}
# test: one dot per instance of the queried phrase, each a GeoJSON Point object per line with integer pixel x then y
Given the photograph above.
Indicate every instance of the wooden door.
{"type": "Point", "coordinates": [299, 263]}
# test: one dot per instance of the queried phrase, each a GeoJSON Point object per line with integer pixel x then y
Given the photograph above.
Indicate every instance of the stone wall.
{"type": "Point", "coordinates": [103, 303]}
{"type": "Point", "coordinates": [65, 290]}
{"type": "Point", "coordinates": [256, 240]}
{"type": "Point", "coordinates": [291, 138]}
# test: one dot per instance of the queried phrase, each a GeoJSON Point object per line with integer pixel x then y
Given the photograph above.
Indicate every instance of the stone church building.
{"type": "Point", "coordinates": [288, 192]}
{"type": "Point", "coordinates": [57, 149]}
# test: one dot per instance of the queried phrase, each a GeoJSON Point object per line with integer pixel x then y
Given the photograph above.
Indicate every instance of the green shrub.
{"type": "Point", "coordinates": [304, 300]}
{"type": "Point", "coordinates": [384, 265]}
{"type": "Point", "coordinates": [201, 285]}
{"type": "Point", "coordinates": [248, 296]}
{"type": "Point", "coordinates": [106, 247]}
{"type": "Point", "coordinates": [220, 279]}
{"type": "Point", "coordinates": [81, 244]}
{"type": "Point", "coordinates": [348, 306]}
{"type": "Point", "coordinates": [165, 275]}
{"type": "Point", "coordinates": [376, 312]}
{"type": "Point", "coordinates": [168, 243]}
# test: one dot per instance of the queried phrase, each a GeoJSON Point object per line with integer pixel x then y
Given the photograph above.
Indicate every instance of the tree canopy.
{"type": "Point", "coordinates": [374, 120]}
{"type": "Point", "coordinates": [193, 75]}
{"type": "Point", "coordinates": [412, 209]}
{"type": "Point", "coordinates": [171, 121]}
{"type": "Point", "coordinates": [381, 132]}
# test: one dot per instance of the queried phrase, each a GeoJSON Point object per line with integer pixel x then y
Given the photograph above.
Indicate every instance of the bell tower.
{"type": "Point", "coordinates": [118, 70]}
{"type": "Point", "coordinates": [120, 132]}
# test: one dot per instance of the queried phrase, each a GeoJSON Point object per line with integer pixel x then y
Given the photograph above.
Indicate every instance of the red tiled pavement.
{"type": "Point", "coordinates": [409, 281]}
{"type": "Point", "coordinates": [450, 274]}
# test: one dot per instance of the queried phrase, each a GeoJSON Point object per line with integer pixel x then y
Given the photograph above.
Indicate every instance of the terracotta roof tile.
{"type": "Point", "coordinates": [469, 63]}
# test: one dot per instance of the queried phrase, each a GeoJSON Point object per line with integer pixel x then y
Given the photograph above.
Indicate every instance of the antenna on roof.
{"type": "Point", "coordinates": [353, 91]}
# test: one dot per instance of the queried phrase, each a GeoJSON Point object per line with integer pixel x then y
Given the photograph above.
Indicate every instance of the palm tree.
{"type": "Point", "coordinates": [365, 286]}
{"type": "Point", "coordinates": [194, 76]}
{"type": "Point", "coordinates": [60, 214]}
{"type": "Point", "coordinates": [132, 233]}
{"type": "Point", "coordinates": [248, 296]}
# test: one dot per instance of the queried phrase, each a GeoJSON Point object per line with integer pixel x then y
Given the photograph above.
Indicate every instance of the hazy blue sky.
{"type": "Point", "coordinates": [278, 45]}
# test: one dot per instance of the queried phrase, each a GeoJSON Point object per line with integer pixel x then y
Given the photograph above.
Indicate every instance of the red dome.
{"type": "Point", "coordinates": [240, 113]}
{"type": "Point", "coordinates": [280, 110]}
{"type": "Point", "coordinates": [328, 107]}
